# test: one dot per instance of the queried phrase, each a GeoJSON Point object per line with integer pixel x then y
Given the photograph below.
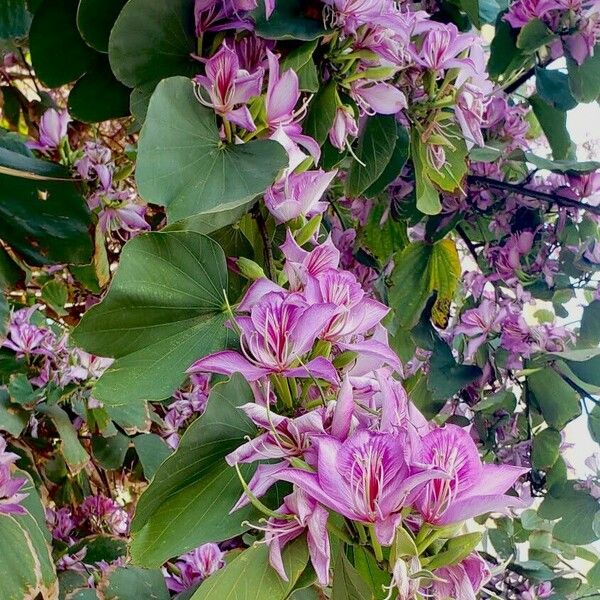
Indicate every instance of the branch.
{"type": "Point", "coordinates": [542, 196]}
{"type": "Point", "coordinates": [468, 243]}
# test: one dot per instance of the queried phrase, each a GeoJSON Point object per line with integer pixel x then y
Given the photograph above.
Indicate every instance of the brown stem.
{"type": "Point", "coordinates": [542, 196]}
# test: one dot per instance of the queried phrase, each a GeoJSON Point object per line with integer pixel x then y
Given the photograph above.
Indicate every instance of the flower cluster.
{"type": "Point", "coordinates": [336, 424]}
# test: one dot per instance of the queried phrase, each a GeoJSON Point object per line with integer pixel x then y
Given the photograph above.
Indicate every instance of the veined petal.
{"type": "Point", "coordinates": [228, 363]}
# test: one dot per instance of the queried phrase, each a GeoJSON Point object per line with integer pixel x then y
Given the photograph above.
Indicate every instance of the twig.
{"type": "Point", "coordinates": [468, 243]}
{"type": "Point", "coordinates": [262, 228]}
{"type": "Point", "coordinates": [542, 196]}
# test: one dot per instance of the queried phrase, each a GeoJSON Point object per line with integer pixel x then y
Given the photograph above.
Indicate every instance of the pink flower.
{"type": "Point", "coordinates": [300, 263]}
{"type": "Point", "coordinates": [522, 11]}
{"type": "Point", "coordinates": [228, 87]}
{"type": "Point", "coordinates": [462, 581]}
{"type": "Point", "coordinates": [275, 338]}
{"type": "Point", "coordinates": [377, 97]}
{"type": "Point", "coordinates": [469, 111]}
{"type": "Point", "coordinates": [96, 162]}
{"type": "Point", "coordinates": [283, 94]}
{"type": "Point", "coordinates": [441, 46]}
{"type": "Point", "coordinates": [298, 195]}
{"type": "Point", "coordinates": [118, 212]}
{"type": "Point", "coordinates": [364, 478]}
{"type": "Point", "coordinates": [194, 567]}
{"type": "Point", "coordinates": [355, 317]}
{"type": "Point", "coordinates": [344, 125]}
{"type": "Point", "coordinates": [478, 323]}
{"type": "Point", "coordinates": [309, 516]}
{"type": "Point", "coordinates": [10, 494]}
{"type": "Point", "coordinates": [52, 130]}
{"type": "Point", "coordinates": [470, 488]}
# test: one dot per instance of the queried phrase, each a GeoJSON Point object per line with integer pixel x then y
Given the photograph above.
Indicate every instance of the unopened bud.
{"type": "Point", "coordinates": [249, 269]}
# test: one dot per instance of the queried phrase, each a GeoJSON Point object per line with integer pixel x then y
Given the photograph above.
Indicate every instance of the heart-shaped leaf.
{"type": "Point", "coordinates": [164, 309]}
{"type": "Point", "coordinates": [183, 165]}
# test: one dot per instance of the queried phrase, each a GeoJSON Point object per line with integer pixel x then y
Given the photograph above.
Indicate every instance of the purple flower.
{"type": "Point", "coordinates": [470, 488]}
{"type": "Point", "coordinates": [300, 264]}
{"type": "Point", "coordinates": [364, 478]}
{"type": "Point", "coordinates": [309, 516]}
{"type": "Point", "coordinates": [275, 338]}
{"type": "Point", "coordinates": [96, 162]}
{"type": "Point", "coordinates": [344, 125]}
{"type": "Point", "coordinates": [52, 130]}
{"type": "Point", "coordinates": [61, 523]}
{"type": "Point", "coordinates": [441, 46]}
{"type": "Point", "coordinates": [118, 212]}
{"type": "Point", "coordinates": [195, 566]}
{"type": "Point", "coordinates": [220, 15]}
{"type": "Point", "coordinates": [469, 112]}
{"type": "Point", "coordinates": [478, 323]}
{"type": "Point", "coordinates": [283, 94]}
{"type": "Point", "coordinates": [298, 195]}
{"type": "Point", "coordinates": [229, 87]}
{"type": "Point", "coordinates": [377, 97]}
{"type": "Point", "coordinates": [10, 494]}
{"type": "Point", "coordinates": [522, 11]}
{"type": "Point", "coordinates": [461, 581]}
{"type": "Point", "coordinates": [104, 512]}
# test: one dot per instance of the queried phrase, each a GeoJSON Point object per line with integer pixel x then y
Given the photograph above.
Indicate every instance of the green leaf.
{"type": "Point", "coordinates": [446, 376]}
{"type": "Point", "coordinates": [164, 309]}
{"type": "Point", "coordinates": [545, 448]}
{"type": "Point", "coordinates": [410, 285]}
{"type": "Point", "coordinates": [101, 547]}
{"type": "Point", "coordinates": [552, 85]}
{"type": "Point", "coordinates": [558, 166]}
{"type": "Point", "coordinates": [428, 197]}
{"type": "Point", "coordinates": [189, 499]}
{"type": "Point", "coordinates": [384, 240]}
{"type": "Point", "coordinates": [152, 40]}
{"type": "Point", "coordinates": [533, 35]}
{"type": "Point", "coordinates": [584, 80]}
{"type": "Point", "coordinates": [71, 448]}
{"type": "Point", "coordinates": [554, 125]}
{"type": "Point", "coordinates": [300, 60]}
{"type": "Point", "coordinates": [55, 293]}
{"type": "Point", "coordinates": [593, 575]}
{"type": "Point", "coordinates": [14, 19]}
{"type": "Point", "coordinates": [45, 222]}
{"type": "Point", "coordinates": [505, 57]}
{"type": "Point", "coordinates": [421, 269]}
{"type": "Point", "coordinates": [471, 7]}
{"type": "Point", "coordinates": [250, 576]}
{"type": "Point", "coordinates": [152, 451]}
{"type": "Point", "coordinates": [95, 19]}
{"type": "Point", "coordinates": [54, 34]}
{"type": "Point", "coordinates": [594, 423]}
{"type": "Point", "coordinates": [184, 166]}
{"type": "Point", "coordinates": [289, 21]}
{"type": "Point", "coordinates": [321, 112]}
{"type": "Point", "coordinates": [12, 418]}
{"type": "Point", "coordinates": [576, 510]}
{"type": "Point", "coordinates": [369, 570]}
{"type": "Point", "coordinates": [589, 331]}
{"type": "Point", "coordinates": [133, 583]}
{"type": "Point", "coordinates": [375, 149]}
{"type": "Point", "coordinates": [211, 220]}
{"type": "Point", "coordinates": [397, 161]}
{"type": "Point", "coordinates": [98, 96]}
{"type": "Point", "coordinates": [558, 401]}
{"type": "Point", "coordinates": [449, 177]}
{"type": "Point", "coordinates": [27, 568]}
{"type": "Point", "coordinates": [454, 550]}
{"type": "Point", "coordinates": [110, 452]}
{"type": "Point", "coordinates": [21, 391]}
{"type": "Point", "coordinates": [347, 583]}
